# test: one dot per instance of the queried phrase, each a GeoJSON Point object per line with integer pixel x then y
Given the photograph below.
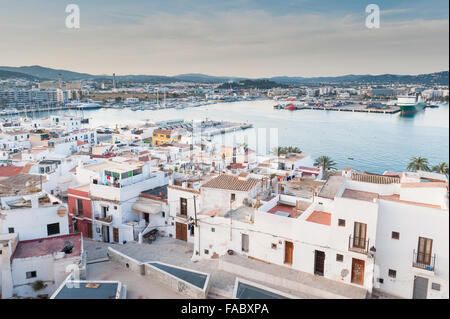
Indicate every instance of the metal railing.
{"type": "Point", "coordinates": [424, 260]}
{"type": "Point", "coordinates": [358, 244]}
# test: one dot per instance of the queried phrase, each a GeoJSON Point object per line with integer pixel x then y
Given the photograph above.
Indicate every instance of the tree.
{"type": "Point", "coordinates": [325, 162]}
{"type": "Point", "coordinates": [441, 168]}
{"type": "Point", "coordinates": [418, 164]}
{"type": "Point", "coordinates": [283, 150]}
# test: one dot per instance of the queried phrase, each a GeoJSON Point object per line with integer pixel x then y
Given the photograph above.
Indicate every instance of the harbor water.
{"type": "Point", "coordinates": [364, 141]}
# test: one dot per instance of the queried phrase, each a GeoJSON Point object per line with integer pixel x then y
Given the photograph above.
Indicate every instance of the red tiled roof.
{"type": "Point", "coordinates": [314, 169]}
{"type": "Point", "coordinates": [162, 131]}
{"type": "Point", "coordinates": [231, 182]}
{"type": "Point", "coordinates": [10, 170]}
{"type": "Point", "coordinates": [46, 246]}
{"type": "Point", "coordinates": [81, 143]}
{"type": "Point", "coordinates": [320, 218]}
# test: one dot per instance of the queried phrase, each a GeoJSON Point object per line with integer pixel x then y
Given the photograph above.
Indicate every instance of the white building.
{"type": "Point", "coordinates": [39, 266]}
{"type": "Point", "coordinates": [33, 216]}
{"type": "Point", "coordinates": [386, 234]}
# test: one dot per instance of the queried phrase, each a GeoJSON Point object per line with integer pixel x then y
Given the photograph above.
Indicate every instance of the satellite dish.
{"type": "Point", "coordinates": [62, 210]}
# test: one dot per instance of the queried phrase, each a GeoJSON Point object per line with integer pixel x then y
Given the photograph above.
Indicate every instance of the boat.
{"type": "Point", "coordinates": [410, 104]}
{"type": "Point", "coordinates": [290, 107]}
{"type": "Point", "coordinates": [88, 106]}
{"type": "Point", "coordinates": [432, 105]}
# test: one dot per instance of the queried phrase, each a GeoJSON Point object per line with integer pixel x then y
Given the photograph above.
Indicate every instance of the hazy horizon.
{"type": "Point", "coordinates": [240, 38]}
{"type": "Point", "coordinates": [215, 75]}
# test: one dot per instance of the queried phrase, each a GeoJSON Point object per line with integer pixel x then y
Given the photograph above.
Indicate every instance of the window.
{"type": "Point", "coordinates": [104, 210]}
{"type": "Point", "coordinates": [11, 230]}
{"type": "Point", "coordinates": [380, 280]}
{"type": "Point", "coordinates": [395, 235]}
{"type": "Point", "coordinates": [80, 206]}
{"type": "Point", "coordinates": [213, 230]}
{"type": "Point", "coordinates": [53, 229]}
{"type": "Point", "coordinates": [274, 246]}
{"type": "Point", "coordinates": [233, 197]}
{"type": "Point", "coordinates": [435, 286]}
{"type": "Point", "coordinates": [206, 251]}
{"type": "Point", "coordinates": [31, 274]}
{"type": "Point", "coordinates": [392, 273]}
{"type": "Point", "coordinates": [341, 222]}
{"type": "Point", "coordinates": [183, 206]}
{"type": "Point", "coordinates": [339, 257]}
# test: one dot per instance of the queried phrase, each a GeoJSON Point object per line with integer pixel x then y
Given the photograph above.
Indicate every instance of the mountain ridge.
{"type": "Point", "coordinates": [44, 73]}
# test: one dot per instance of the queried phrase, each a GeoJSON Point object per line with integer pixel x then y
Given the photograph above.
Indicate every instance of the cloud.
{"type": "Point", "coordinates": [235, 42]}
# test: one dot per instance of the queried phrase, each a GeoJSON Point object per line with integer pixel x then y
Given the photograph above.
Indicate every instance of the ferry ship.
{"type": "Point", "coordinates": [410, 104]}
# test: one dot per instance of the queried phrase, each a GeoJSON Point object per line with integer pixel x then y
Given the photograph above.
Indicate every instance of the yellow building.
{"type": "Point", "coordinates": [161, 137]}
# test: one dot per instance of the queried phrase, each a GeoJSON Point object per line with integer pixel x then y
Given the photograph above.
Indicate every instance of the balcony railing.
{"type": "Point", "coordinates": [423, 260]}
{"type": "Point", "coordinates": [358, 245]}
{"type": "Point", "coordinates": [107, 219]}
{"type": "Point", "coordinates": [181, 215]}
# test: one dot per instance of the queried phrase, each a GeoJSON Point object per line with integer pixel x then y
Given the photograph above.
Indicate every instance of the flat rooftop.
{"type": "Point", "coordinates": [280, 207]}
{"type": "Point", "coordinates": [359, 195]}
{"type": "Point", "coordinates": [332, 187]}
{"type": "Point", "coordinates": [319, 217]}
{"type": "Point", "coordinates": [117, 167]}
{"type": "Point", "coordinates": [396, 198]}
{"type": "Point", "coordinates": [47, 246]}
{"type": "Point", "coordinates": [89, 290]}
{"type": "Point", "coordinates": [138, 286]}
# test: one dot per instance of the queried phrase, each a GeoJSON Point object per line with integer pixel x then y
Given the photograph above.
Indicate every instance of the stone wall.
{"type": "Point", "coordinates": [176, 283]}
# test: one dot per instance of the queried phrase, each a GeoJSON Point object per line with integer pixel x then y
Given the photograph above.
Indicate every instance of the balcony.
{"type": "Point", "coordinates": [107, 219]}
{"type": "Point", "coordinates": [423, 261]}
{"type": "Point", "coordinates": [358, 245]}
{"type": "Point", "coordinates": [181, 215]}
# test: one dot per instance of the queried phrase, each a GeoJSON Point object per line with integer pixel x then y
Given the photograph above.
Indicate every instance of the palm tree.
{"type": "Point", "coordinates": [418, 164]}
{"type": "Point", "coordinates": [325, 162]}
{"type": "Point", "coordinates": [441, 168]}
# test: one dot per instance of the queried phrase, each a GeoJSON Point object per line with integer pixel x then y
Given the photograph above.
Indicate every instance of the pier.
{"type": "Point", "coordinates": [352, 108]}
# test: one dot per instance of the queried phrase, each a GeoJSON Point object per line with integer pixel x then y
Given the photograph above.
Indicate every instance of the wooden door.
{"type": "Point", "coordinates": [105, 233]}
{"type": "Point", "coordinates": [181, 231]}
{"type": "Point", "coordinates": [357, 271]}
{"type": "Point", "coordinates": [116, 234]}
{"type": "Point", "coordinates": [89, 230]}
{"type": "Point", "coordinates": [424, 251]}
{"type": "Point", "coordinates": [288, 252]}
{"type": "Point", "coordinates": [319, 262]}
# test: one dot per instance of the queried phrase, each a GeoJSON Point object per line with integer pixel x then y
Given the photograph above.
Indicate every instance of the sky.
{"type": "Point", "coordinates": [248, 38]}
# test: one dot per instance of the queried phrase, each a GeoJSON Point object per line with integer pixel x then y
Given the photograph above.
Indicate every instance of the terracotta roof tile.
{"type": "Point", "coordinates": [231, 182]}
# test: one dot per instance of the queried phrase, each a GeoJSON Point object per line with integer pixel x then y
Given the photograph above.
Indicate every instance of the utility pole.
{"type": "Point", "coordinates": [196, 224]}
{"type": "Point", "coordinates": [231, 220]}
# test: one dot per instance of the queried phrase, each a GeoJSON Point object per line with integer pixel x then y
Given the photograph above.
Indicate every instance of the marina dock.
{"type": "Point", "coordinates": [391, 110]}
{"type": "Point", "coordinates": [348, 108]}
